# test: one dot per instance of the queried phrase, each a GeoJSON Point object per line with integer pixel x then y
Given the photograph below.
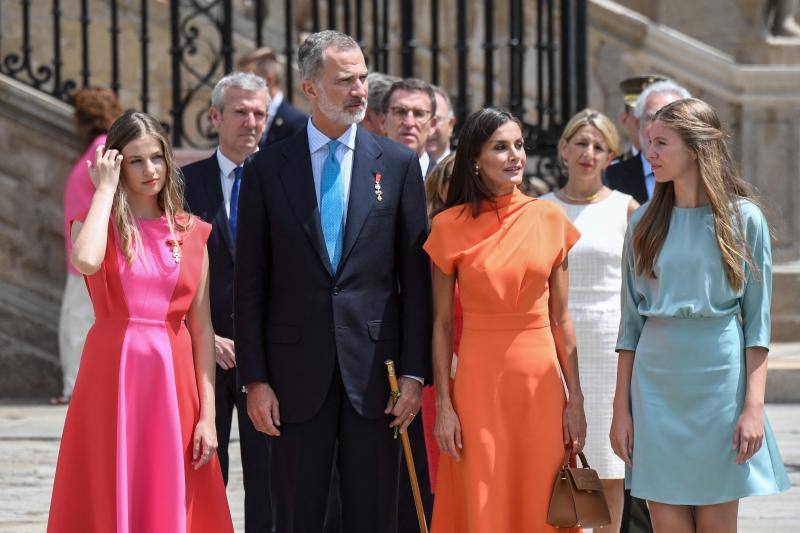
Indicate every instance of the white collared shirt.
{"type": "Point", "coordinates": [226, 178]}
{"type": "Point", "coordinates": [318, 146]}
{"type": "Point", "coordinates": [424, 162]}
{"type": "Point", "coordinates": [272, 110]}
{"type": "Point", "coordinates": [649, 177]}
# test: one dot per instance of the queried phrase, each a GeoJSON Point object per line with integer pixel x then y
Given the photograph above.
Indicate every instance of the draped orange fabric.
{"type": "Point", "coordinates": [507, 392]}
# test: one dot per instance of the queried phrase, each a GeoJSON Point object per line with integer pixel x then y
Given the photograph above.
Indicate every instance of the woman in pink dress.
{"type": "Point", "coordinates": [138, 448]}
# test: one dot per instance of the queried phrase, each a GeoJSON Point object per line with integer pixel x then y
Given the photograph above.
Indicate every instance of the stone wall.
{"type": "Point", "coordinates": [759, 104]}
{"type": "Point", "coordinates": [39, 146]}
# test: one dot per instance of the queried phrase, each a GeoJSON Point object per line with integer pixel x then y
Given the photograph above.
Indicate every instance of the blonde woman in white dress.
{"type": "Point", "coordinates": [589, 143]}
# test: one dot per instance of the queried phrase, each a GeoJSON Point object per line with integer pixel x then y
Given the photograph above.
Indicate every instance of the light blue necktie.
{"type": "Point", "coordinates": [331, 195]}
{"type": "Point", "coordinates": [234, 209]}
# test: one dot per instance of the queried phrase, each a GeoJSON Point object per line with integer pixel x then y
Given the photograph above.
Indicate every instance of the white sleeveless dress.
{"type": "Point", "coordinates": [595, 280]}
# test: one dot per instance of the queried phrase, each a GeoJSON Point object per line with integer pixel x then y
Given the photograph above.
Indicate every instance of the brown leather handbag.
{"type": "Point", "coordinates": [578, 499]}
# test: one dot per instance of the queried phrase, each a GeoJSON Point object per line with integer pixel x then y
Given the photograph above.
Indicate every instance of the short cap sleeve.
{"type": "Point", "coordinates": [439, 246]}
{"type": "Point", "coordinates": [202, 228]}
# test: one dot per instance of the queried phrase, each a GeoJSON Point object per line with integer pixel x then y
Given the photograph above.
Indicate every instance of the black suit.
{"type": "Point", "coordinates": [628, 177]}
{"type": "Point", "coordinates": [319, 337]}
{"type": "Point", "coordinates": [204, 199]}
{"type": "Point", "coordinates": [288, 121]}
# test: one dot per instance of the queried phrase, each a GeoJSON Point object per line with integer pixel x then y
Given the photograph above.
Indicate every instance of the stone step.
{"type": "Point", "coordinates": [28, 372]}
{"type": "Point", "coordinates": [28, 344]}
{"type": "Point", "coordinates": [786, 303]}
{"type": "Point", "coordinates": [783, 376]}
{"type": "Point", "coordinates": [29, 318]}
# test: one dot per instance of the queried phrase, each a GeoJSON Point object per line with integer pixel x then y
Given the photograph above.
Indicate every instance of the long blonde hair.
{"type": "Point", "coordinates": [698, 125]}
{"type": "Point", "coordinates": [129, 127]}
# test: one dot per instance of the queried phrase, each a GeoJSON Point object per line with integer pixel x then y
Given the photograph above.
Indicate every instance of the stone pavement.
{"type": "Point", "coordinates": [29, 436]}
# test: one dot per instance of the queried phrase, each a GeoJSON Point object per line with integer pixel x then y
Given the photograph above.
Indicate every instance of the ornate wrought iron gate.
{"type": "Point", "coordinates": [395, 35]}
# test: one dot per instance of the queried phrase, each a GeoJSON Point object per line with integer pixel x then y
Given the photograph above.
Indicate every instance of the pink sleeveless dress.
{"type": "Point", "coordinates": [126, 451]}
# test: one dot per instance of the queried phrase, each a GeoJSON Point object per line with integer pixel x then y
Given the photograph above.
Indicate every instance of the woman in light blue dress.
{"type": "Point", "coordinates": [689, 406]}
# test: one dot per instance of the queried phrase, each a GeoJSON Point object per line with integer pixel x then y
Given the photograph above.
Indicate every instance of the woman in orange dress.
{"type": "Point", "coordinates": [504, 426]}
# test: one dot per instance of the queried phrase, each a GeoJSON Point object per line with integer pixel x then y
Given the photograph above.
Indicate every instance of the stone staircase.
{"type": "Point", "coordinates": [29, 337]}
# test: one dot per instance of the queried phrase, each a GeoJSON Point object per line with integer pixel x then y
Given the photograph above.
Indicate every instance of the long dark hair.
{"type": "Point", "coordinates": [466, 185]}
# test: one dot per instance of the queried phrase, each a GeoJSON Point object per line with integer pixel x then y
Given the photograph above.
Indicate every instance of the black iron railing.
{"type": "Point", "coordinates": [539, 75]}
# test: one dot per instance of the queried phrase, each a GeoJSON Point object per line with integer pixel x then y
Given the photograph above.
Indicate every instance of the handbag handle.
{"type": "Point", "coordinates": [568, 455]}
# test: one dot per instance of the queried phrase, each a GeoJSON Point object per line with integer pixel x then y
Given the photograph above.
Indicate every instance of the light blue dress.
{"type": "Point", "coordinates": [689, 329]}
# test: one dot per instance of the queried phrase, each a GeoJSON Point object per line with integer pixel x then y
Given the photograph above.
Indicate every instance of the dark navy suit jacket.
{"type": "Point", "coordinates": [628, 177]}
{"type": "Point", "coordinates": [294, 315]}
{"type": "Point", "coordinates": [204, 199]}
{"type": "Point", "coordinates": [288, 122]}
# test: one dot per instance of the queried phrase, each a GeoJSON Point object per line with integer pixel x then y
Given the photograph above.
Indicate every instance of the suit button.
{"type": "Point", "coordinates": [336, 291]}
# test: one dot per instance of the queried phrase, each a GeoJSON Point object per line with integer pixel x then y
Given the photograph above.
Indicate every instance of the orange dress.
{"type": "Point", "coordinates": [508, 391]}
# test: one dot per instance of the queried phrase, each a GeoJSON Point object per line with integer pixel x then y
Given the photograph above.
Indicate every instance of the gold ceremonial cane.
{"type": "Point", "coordinates": [412, 472]}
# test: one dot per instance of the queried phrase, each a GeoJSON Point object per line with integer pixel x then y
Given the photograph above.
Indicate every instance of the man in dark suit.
{"type": "Point", "coordinates": [634, 176]}
{"type": "Point", "coordinates": [331, 280]}
{"type": "Point", "coordinates": [283, 119]}
{"type": "Point", "coordinates": [238, 111]}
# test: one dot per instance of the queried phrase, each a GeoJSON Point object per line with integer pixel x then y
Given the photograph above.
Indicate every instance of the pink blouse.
{"type": "Point", "coordinates": [78, 193]}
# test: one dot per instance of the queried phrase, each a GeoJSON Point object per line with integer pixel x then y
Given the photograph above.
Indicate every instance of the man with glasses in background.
{"type": "Point", "coordinates": [409, 115]}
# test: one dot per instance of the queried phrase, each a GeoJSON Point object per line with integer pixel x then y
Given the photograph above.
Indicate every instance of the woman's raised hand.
{"type": "Point", "coordinates": [105, 170]}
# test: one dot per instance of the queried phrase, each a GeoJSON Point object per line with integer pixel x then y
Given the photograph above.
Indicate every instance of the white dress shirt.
{"type": "Point", "coordinates": [424, 162]}
{"type": "Point", "coordinates": [318, 146]}
{"type": "Point", "coordinates": [226, 178]}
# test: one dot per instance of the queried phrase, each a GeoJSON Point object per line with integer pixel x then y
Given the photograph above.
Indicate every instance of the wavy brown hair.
{"type": "Point", "coordinates": [129, 127]}
{"type": "Point", "coordinates": [698, 125]}
{"type": "Point", "coordinates": [96, 108]}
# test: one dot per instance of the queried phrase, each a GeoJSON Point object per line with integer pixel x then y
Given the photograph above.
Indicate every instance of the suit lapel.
{"type": "Point", "coordinates": [276, 125]}
{"type": "Point", "coordinates": [217, 201]}
{"type": "Point", "coordinates": [302, 196]}
{"type": "Point", "coordinates": [639, 181]}
{"type": "Point", "coordinates": [362, 189]}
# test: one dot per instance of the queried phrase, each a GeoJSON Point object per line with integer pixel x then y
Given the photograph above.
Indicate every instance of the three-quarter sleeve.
{"type": "Point", "coordinates": [757, 291]}
{"type": "Point", "coordinates": [439, 249]}
{"type": "Point", "coordinates": [631, 321]}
